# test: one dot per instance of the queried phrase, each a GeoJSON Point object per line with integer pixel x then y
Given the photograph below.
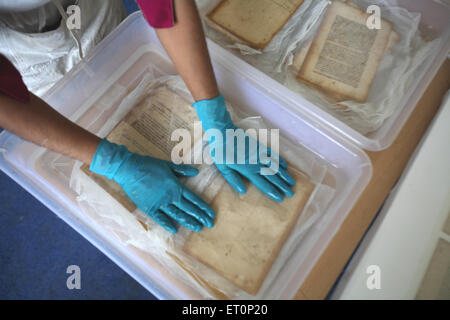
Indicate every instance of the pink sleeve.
{"type": "Point", "coordinates": [11, 82]}
{"type": "Point", "coordinates": [158, 13]}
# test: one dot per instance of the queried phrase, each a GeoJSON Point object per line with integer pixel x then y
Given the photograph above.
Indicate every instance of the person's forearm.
{"type": "Point", "coordinates": [37, 122]}
{"type": "Point", "coordinates": [185, 43]}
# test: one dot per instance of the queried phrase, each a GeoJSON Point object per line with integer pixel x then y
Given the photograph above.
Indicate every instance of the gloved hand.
{"type": "Point", "coordinates": [214, 115]}
{"type": "Point", "coordinates": [152, 184]}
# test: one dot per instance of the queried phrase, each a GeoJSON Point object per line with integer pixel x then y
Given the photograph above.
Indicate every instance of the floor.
{"type": "Point", "coordinates": [36, 248]}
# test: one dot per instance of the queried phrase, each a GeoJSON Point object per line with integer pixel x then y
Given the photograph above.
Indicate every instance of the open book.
{"type": "Point", "coordinates": [252, 22]}
{"type": "Point", "coordinates": [249, 229]}
{"type": "Point", "coordinates": [345, 54]}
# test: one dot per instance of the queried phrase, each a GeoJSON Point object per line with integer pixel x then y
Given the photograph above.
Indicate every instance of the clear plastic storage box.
{"type": "Point", "coordinates": [434, 25]}
{"type": "Point", "coordinates": [110, 67]}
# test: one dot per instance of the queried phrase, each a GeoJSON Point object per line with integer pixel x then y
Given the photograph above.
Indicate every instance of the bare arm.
{"type": "Point", "coordinates": [185, 43]}
{"type": "Point", "coordinates": [41, 124]}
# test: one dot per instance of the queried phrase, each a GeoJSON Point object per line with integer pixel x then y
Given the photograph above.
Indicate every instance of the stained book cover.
{"type": "Point", "coordinates": [345, 54]}
{"type": "Point", "coordinates": [249, 232]}
{"type": "Point", "coordinates": [252, 22]}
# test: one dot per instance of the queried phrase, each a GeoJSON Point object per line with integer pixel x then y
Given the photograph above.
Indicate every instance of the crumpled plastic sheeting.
{"type": "Point", "coordinates": [157, 242]}
{"type": "Point", "coordinates": [44, 58]}
{"type": "Point", "coordinates": [395, 76]}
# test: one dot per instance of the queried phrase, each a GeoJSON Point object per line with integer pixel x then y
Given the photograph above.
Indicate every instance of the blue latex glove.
{"type": "Point", "coordinates": [152, 184]}
{"type": "Point", "coordinates": [214, 115]}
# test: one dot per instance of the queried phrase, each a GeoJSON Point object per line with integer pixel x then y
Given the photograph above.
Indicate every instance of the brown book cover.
{"type": "Point", "coordinates": [252, 22]}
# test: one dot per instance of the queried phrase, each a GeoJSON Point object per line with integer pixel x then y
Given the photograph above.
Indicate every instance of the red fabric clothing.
{"type": "Point", "coordinates": [158, 13]}
{"type": "Point", "coordinates": [11, 82]}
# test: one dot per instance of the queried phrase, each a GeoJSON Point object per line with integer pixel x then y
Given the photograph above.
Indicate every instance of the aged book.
{"type": "Point", "coordinates": [345, 54]}
{"type": "Point", "coordinates": [335, 98]}
{"type": "Point", "coordinates": [146, 130]}
{"type": "Point", "coordinates": [249, 229]}
{"type": "Point", "coordinates": [252, 22]}
{"type": "Point", "coordinates": [249, 233]}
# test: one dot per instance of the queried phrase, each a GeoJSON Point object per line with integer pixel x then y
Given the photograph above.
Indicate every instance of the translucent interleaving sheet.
{"type": "Point", "coordinates": [165, 102]}
{"type": "Point", "coordinates": [282, 58]}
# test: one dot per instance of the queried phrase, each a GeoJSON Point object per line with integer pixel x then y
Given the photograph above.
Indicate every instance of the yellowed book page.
{"type": "Point", "coordinates": [205, 284]}
{"type": "Point", "coordinates": [297, 65]}
{"type": "Point", "coordinates": [394, 38]}
{"type": "Point", "coordinates": [345, 53]}
{"type": "Point", "coordinates": [249, 232]}
{"type": "Point", "coordinates": [300, 57]}
{"type": "Point", "coordinates": [146, 130]}
{"type": "Point", "coordinates": [252, 22]}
